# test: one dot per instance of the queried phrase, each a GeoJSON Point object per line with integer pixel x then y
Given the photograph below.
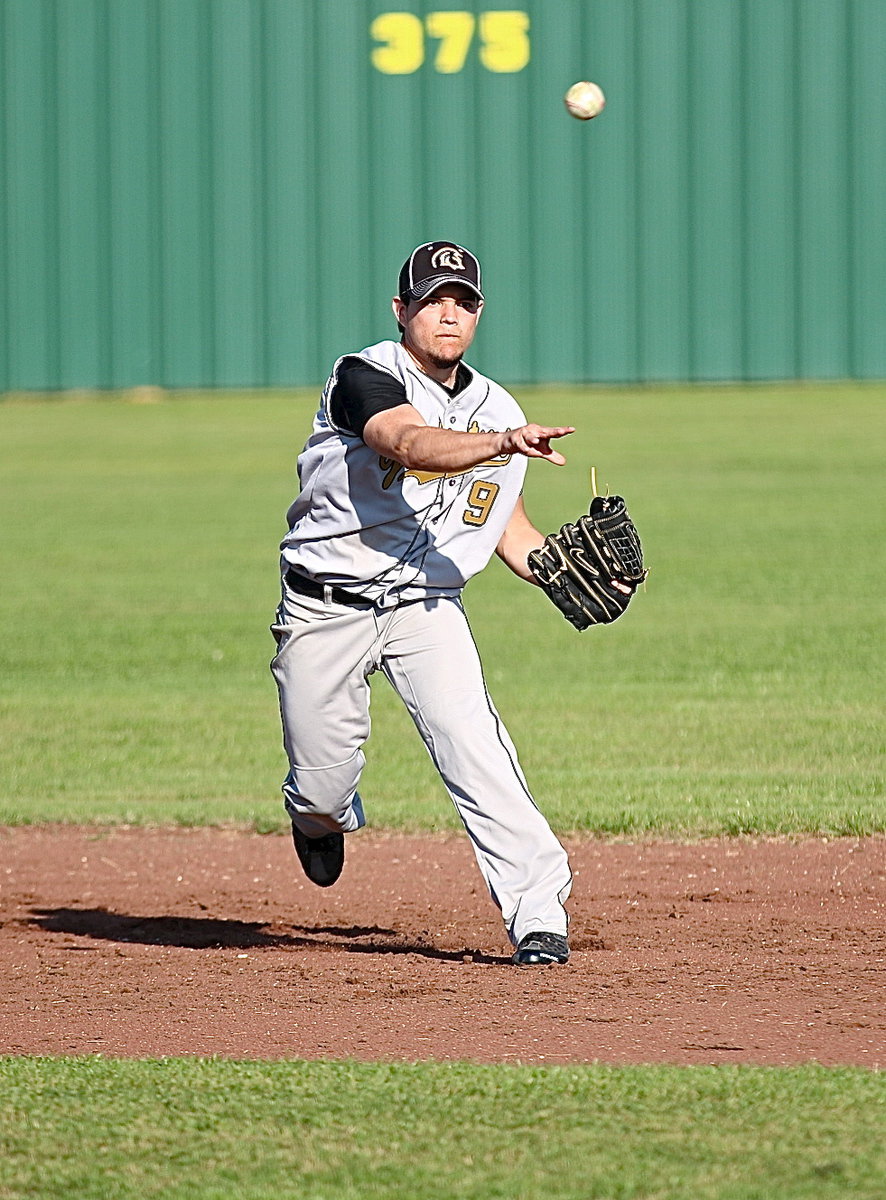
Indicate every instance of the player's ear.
{"type": "Point", "coordinates": [399, 310]}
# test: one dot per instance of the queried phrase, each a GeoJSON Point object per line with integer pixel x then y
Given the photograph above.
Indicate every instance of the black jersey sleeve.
{"type": "Point", "coordinates": [360, 392]}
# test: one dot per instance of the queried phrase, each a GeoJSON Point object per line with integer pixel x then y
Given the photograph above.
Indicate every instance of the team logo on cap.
{"type": "Point", "coordinates": [450, 257]}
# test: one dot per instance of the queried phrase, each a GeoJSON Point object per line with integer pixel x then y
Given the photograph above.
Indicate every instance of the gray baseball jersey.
{"type": "Point", "coordinates": [366, 523]}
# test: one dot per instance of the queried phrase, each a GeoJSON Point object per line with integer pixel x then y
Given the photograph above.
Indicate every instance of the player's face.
{"type": "Point", "coordinates": [440, 328]}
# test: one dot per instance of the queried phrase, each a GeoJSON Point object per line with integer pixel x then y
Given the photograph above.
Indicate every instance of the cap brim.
{"type": "Point", "coordinates": [437, 281]}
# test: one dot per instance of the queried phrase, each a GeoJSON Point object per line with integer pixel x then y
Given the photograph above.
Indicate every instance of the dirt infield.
{"type": "Point", "coordinates": [176, 942]}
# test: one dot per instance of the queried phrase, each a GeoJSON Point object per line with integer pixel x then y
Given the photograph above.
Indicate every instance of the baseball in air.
{"type": "Point", "coordinates": [585, 100]}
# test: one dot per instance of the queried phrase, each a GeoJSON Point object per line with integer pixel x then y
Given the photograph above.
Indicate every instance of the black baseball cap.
{"type": "Point", "coordinates": [434, 263]}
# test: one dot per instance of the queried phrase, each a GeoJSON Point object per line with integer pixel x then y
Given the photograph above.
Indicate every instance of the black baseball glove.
{"type": "Point", "coordinates": [579, 566]}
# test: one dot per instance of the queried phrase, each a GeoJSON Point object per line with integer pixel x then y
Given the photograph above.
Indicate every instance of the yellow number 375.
{"type": "Point", "coordinates": [504, 41]}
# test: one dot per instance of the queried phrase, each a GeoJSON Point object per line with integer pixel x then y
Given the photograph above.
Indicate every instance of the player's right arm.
{"type": "Point", "coordinates": [372, 404]}
{"type": "Point", "coordinates": [403, 435]}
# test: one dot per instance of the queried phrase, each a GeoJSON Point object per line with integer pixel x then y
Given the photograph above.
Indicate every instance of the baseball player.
{"type": "Point", "coordinates": [410, 481]}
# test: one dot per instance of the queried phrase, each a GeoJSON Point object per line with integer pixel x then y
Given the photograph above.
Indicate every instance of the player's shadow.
{"type": "Point", "coordinates": [211, 933]}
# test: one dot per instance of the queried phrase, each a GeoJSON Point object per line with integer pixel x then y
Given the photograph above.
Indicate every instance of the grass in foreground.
{"type": "Point", "coordinates": [206, 1130]}
{"type": "Point", "coordinates": [742, 693]}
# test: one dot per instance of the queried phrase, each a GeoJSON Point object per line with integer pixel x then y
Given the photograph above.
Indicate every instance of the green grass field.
{"type": "Point", "coordinates": [210, 1130]}
{"type": "Point", "coordinates": [742, 692]}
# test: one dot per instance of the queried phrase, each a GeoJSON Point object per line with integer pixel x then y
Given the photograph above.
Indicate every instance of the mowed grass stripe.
{"type": "Point", "coordinates": [741, 693]}
{"type": "Point", "coordinates": [206, 1129]}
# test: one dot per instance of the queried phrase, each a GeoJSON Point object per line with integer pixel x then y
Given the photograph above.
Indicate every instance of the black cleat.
{"type": "Point", "coordinates": [322, 857]}
{"type": "Point", "coordinates": [541, 949]}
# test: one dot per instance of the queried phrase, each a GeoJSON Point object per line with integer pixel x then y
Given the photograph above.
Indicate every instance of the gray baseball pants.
{"type": "Point", "coordinates": [326, 653]}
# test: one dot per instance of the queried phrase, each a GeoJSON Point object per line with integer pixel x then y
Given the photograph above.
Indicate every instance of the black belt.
{"type": "Point", "coordinates": [310, 587]}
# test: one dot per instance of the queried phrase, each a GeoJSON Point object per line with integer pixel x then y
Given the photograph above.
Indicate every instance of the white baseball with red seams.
{"type": "Point", "coordinates": [585, 100]}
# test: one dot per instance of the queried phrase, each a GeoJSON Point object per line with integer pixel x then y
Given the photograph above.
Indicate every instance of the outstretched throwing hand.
{"type": "Point", "coordinates": [534, 441]}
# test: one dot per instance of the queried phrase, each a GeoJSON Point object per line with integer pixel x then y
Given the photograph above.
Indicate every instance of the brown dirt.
{"type": "Point", "coordinates": [178, 942]}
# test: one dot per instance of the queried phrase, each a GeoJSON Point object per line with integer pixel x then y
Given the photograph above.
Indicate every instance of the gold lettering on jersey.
{"type": "Point", "coordinates": [481, 498]}
{"type": "Point", "coordinates": [393, 469]}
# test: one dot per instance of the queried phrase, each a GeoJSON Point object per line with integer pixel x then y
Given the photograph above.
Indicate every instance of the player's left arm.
{"type": "Point", "coordinates": [519, 538]}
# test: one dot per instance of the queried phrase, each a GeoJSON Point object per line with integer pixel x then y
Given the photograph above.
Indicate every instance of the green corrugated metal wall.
{"type": "Point", "coordinates": [220, 192]}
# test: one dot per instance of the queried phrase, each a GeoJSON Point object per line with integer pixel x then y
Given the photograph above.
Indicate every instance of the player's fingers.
{"type": "Point", "coordinates": [548, 431]}
{"type": "Point", "coordinates": [542, 449]}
